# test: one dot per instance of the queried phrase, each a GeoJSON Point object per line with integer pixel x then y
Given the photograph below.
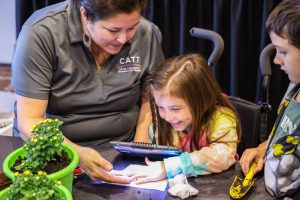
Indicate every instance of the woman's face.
{"type": "Point", "coordinates": [174, 110]}
{"type": "Point", "coordinates": [287, 56]}
{"type": "Point", "coordinates": [112, 33]}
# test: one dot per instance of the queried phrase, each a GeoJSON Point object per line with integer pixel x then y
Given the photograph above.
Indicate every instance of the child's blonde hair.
{"type": "Point", "coordinates": [190, 78]}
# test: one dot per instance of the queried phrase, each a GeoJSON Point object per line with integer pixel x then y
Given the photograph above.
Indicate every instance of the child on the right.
{"type": "Point", "coordinates": [281, 153]}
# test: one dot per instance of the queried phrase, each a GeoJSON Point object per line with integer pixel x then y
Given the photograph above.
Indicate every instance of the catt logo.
{"type": "Point", "coordinates": [129, 64]}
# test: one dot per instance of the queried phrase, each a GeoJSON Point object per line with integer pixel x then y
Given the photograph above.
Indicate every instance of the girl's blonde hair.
{"type": "Point", "coordinates": [190, 78]}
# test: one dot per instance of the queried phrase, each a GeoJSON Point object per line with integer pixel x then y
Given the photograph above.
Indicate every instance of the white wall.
{"type": "Point", "coordinates": [7, 30]}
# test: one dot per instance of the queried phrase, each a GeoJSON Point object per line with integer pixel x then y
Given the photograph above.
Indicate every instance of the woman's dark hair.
{"type": "Point", "coordinates": [102, 9]}
{"type": "Point", "coordinates": [284, 21]}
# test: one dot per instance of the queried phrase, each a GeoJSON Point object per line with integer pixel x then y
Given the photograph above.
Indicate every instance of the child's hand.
{"type": "Point", "coordinates": [253, 154]}
{"type": "Point", "coordinates": [154, 171]}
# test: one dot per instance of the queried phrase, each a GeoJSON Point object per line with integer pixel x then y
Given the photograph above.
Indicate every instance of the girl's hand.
{"type": "Point", "coordinates": [154, 171]}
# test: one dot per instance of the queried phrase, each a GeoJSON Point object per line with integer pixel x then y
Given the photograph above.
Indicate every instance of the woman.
{"type": "Point", "coordinates": [84, 62]}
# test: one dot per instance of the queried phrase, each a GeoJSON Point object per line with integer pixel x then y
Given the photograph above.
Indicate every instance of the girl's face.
{"type": "Point", "coordinates": [174, 110]}
{"type": "Point", "coordinates": [112, 33]}
{"type": "Point", "coordinates": [287, 56]}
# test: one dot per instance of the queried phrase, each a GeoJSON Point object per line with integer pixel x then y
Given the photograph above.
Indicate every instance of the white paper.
{"type": "Point", "coordinates": [157, 185]}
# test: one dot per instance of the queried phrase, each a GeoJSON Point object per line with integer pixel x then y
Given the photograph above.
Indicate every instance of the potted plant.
{"type": "Point", "coordinates": [35, 187]}
{"type": "Point", "coordinates": [46, 152]}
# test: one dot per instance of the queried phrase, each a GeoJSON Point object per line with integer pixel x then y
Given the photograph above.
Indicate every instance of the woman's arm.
{"type": "Point", "coordinates": [31, 111]}
{"type": "Point", "coordinates": [143, 124]}
{"type": "Point", "coordinates": [156, 57]}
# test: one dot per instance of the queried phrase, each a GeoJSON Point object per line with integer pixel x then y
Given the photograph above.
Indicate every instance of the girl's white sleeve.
{"type": "Point", "coordinates": [218, 156]}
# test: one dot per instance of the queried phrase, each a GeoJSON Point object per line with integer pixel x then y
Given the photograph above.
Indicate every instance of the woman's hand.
{"type": "Point", "coordinates": [97, 167]}
{"type": "Point", "coordinates": [154, 171]}
{"type": "Point", "coordinates": [253, 154]}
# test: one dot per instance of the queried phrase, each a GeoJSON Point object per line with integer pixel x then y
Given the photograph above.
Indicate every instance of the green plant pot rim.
{"type": "Point", "coordinates": [12, 157]}
{"type": "Point", "coordinates": [67, 194]}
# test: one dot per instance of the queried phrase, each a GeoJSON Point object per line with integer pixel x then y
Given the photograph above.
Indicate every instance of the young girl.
{"type": "Point", "coordinates": [190, 112]}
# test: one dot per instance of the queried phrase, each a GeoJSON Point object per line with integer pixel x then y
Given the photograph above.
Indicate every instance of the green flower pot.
{"type": "Point", "coordinates": [65, 175]}
{"type": "Point", "coordinates": [62, 189]}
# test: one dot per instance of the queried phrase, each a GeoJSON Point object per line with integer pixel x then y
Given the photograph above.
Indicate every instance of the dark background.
{"type": "Point", "coordinates": [241, 23]}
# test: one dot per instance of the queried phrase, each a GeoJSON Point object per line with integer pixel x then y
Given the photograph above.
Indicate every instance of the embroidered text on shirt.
{"type": "Point", "coordinates": [129, 64]}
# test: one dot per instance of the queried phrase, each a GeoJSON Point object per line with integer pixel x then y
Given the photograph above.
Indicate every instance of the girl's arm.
{"type": "Point", "coordinates": [218, 156]}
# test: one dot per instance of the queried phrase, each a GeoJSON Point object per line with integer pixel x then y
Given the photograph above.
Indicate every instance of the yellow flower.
{"type": "Point", "coordinates": [54, 137]}
{"type": "Point", "coordinates": [48, 128]}
{"type": "Point", "coordinates": [56, 120]}
{"type": "Point", "coordinates": [27, 172]}
{"type": "Point", "coordinates": [35, 140]}
{"type": "Point", "coordinates": [16, 174]}
{"type": "Point", "coordinates": [41, 137]}
{"type": "Point", "coordinates": [40, 173]}
{"type": "Point", "coordinates": [49, 120]}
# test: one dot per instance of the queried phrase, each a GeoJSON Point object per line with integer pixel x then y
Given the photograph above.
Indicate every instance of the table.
{"type": "Point", "coordinates": [211, 187]}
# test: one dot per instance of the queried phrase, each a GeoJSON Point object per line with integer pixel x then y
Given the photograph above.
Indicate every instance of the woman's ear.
{"type": "Point", "coordinates": [83, 15]}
